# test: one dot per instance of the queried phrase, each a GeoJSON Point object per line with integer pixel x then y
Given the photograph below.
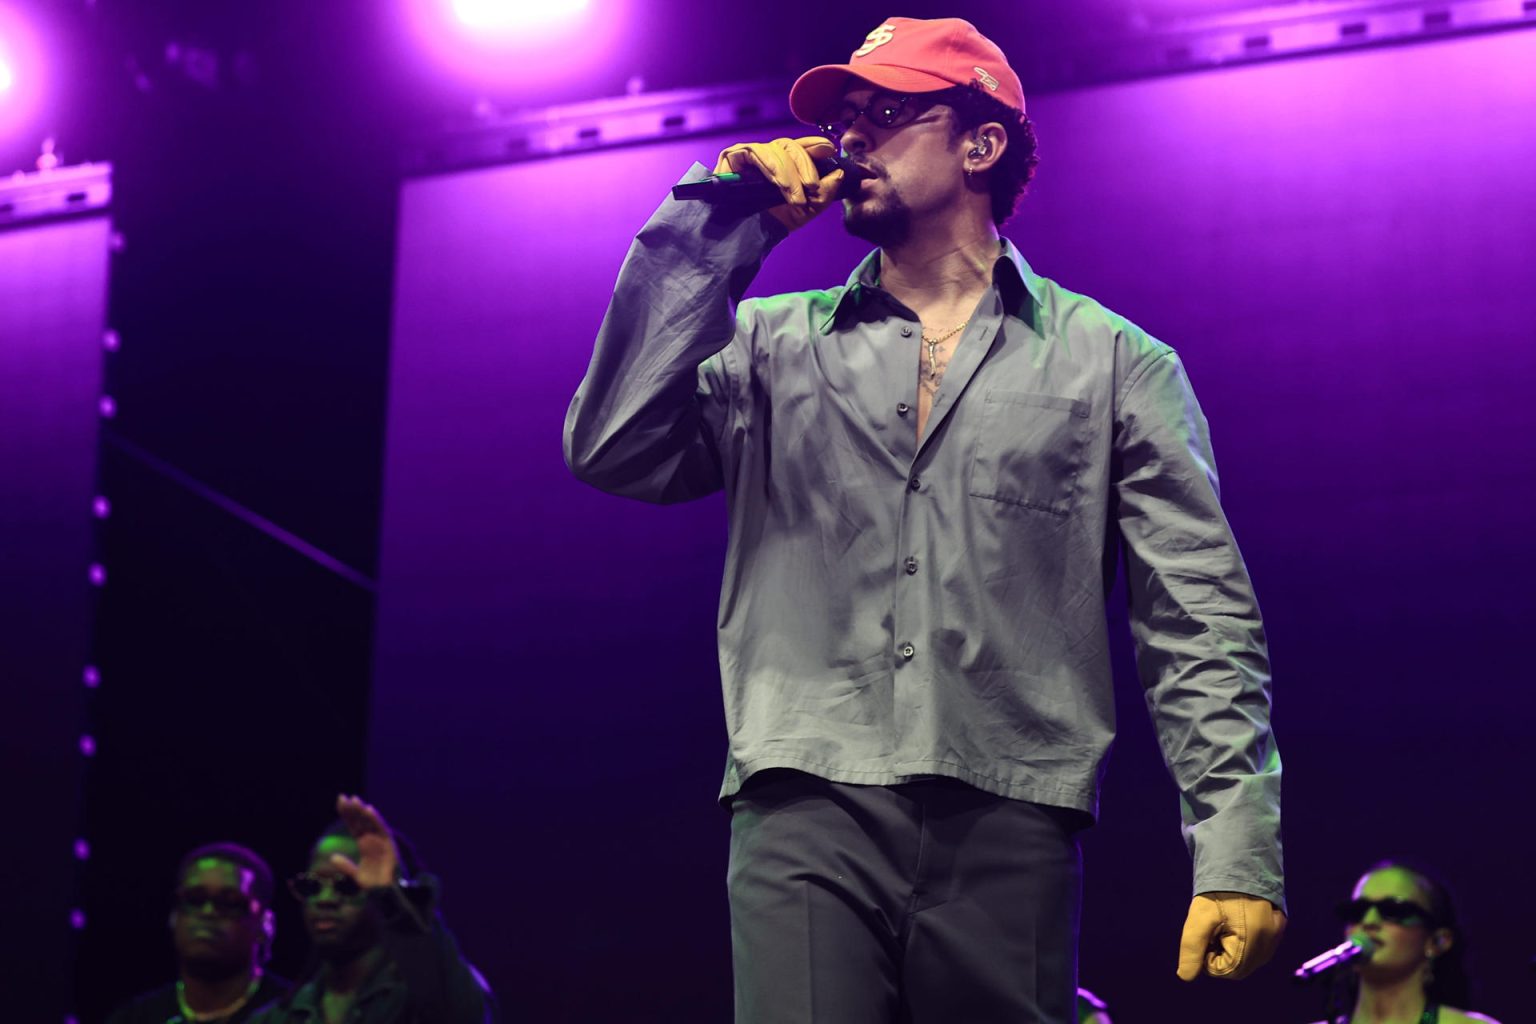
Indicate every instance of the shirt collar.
{"type": "Point", "coordinates": [306, 1000]}
{"type": "Point", "coordinates": [1011, 275]}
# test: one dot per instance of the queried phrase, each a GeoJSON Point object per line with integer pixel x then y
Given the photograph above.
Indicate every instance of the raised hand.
{"type": "Point", "coordinates": [789, 164]}
{"type": "Point", "coordinates": [378, 859]}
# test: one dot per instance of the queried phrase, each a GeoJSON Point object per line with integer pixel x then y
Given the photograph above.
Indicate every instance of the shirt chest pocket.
{"type": "Point", "coordinates": [1029, 450]}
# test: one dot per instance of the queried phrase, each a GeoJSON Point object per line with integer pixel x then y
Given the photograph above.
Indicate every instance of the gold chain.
{"type": "Point", "coordinates": [934, 342]}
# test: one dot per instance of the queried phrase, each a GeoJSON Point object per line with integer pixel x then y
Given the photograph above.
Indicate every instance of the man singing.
{"type": "Point", "coordinates": [931, 472]}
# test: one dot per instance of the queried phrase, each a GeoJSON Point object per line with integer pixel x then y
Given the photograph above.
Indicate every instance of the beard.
{"type": "Point", "coordinates": [886, 221]}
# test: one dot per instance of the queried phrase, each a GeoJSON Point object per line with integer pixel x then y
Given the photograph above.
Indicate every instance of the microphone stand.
{"type": "Point", "coordinates": [1336, 1009]}
{"type": "Point", "coordinates": [1329, 967]}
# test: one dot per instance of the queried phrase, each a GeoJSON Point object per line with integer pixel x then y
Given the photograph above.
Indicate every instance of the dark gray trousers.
{"type": "Point", "coordinates": [925, 903]}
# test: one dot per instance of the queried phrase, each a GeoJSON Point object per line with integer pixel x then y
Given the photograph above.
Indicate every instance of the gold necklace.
{"type": "Point", "coordinates": [934, 342]}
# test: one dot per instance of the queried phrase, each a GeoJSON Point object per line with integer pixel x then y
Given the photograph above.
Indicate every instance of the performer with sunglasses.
{"type": "Point", "coordinates": [1416, 966]}
{"type": "Point", "coordinates": [382, 953]}
{"type": "Point", "coordinates": [931, 471]}
{"type": "Point", "coordinates": [222, 928]}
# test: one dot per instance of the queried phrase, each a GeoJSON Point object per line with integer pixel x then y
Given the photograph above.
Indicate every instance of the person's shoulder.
{"type": "Point", "coordinates": [1065, 312]}
{"type": "Point", "coordinates": [268, 996]}
{"type": "Point", "coordinates": [814, 306]}
{"type": "Point", "coordinates": [292, 1003]}
{"type": "Point", "coordinates": [152, 1007]}
{"type": "Point", "coordinates": [1451, 1015]}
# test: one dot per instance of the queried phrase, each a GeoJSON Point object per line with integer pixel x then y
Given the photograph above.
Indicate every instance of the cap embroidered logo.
{"type": "Point", "coordinates": [986, 79]}
{"type": "Point", "coordinates": [879, 37]}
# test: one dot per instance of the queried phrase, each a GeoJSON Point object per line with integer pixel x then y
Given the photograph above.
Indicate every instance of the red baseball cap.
{"type": "Point", "coordinates": [912, 55]}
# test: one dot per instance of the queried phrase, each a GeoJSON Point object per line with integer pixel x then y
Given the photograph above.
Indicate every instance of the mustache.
{"type": "Point", "coordinates": [872, 167]}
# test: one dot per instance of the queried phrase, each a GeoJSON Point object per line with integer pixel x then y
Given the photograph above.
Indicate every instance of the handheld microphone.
{"type": "Point", "coordinates": [1345, 952]}
{"type": "Point", "coordinates": [749, 191]}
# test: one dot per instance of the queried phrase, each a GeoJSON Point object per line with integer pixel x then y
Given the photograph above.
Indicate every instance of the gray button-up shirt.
{"type": "Point", "coordinates": [895, 608]}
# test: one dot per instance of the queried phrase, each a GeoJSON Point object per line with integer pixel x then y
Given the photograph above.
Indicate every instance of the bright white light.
{"type": "Point", "coordinates": [525, 49]}
{"type": "Point", "coordinates": [513, 14]}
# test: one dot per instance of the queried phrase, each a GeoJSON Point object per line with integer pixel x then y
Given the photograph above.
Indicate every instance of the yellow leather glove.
{"type": "Point", "coordinates": [1231, 933]}
{"type": "Point", "coordinates": [787, 163]}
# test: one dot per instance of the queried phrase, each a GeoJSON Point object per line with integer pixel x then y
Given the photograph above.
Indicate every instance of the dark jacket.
{"type": "Point", "coordinates": [422, 978]}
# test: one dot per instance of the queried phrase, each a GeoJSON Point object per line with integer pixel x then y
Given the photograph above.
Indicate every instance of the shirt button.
{"type": "Point", "coordinates": [906, 332]}
{"type": "Point", "coordinates": [907, 650]}
{"type": "Point", "coordinates": [902, 408]}
{"type": "Point", "coordinates": [911, 566]}
{"type": "Point", "coordinates": [914, 483]}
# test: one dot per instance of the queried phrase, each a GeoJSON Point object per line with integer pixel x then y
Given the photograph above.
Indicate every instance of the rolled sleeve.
{"type": "Point", "coordinates": [1199, 640]}
{"type": "Point", "coordinates": [648, 416]}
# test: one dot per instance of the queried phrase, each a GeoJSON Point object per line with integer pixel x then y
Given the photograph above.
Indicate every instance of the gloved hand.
{"type": "Point", "coordinates": [1231, 933]}
{"type": "Point", "coordinates": [787, 163]}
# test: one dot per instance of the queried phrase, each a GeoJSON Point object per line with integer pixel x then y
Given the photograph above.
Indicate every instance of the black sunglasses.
{"type": "Point", "coordinates": [229, 903]}
{"type": "Point", "coordinates": [1394, 910]}
{"type": "Point", "coordinates": [307, 885]}
{"type": "Point", "coordinates": [883, 110]}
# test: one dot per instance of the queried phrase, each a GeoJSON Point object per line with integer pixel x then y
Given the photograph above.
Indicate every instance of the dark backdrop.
{"type": "Point", "coordinates": [253, 153]}
{"type": "Point", "coordinates": [1340, 248]}
{"type": "Point", "coordinates": [53, 296]}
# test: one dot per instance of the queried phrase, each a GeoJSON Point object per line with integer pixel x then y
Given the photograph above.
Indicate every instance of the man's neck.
{"type": "Point", "coordinates": [943, 268]}
{"type": "Point", "coordinates": [348, 975]}
{"type": "Point", "coordinates": [1402, 1000]}
{"type": "Point", "coordinates": [205, 995]}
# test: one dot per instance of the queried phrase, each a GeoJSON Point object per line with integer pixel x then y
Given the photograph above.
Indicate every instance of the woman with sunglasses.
{"type": "Point", "coordinates": [1414, 970]}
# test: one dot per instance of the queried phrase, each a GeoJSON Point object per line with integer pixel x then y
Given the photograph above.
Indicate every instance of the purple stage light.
{"type": "Point", "coordinates": [98, 574]}
{"type": "Point", "coordinates": [87, 746]}
{"type": "Point", "coordinates": [21, 72]}
{"type": "Point", "coordinates": [82, 850]}
{"type": "Point", "coordinates": [91, 677]}
{"type": "Point", "coordinates": [77, 919]}
{"type": "Point", "coordinates": [506, 15]}
{"type": "Point", "coordinates": [530, 50]}
{"type": "Point", "coordinates": [101, 508]}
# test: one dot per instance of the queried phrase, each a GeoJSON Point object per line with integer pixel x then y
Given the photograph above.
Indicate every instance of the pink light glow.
{"type": "Point", "coordinates": [21, 72]}
{"type": "Point", "coordinates": [503, 15]}
{"type": "Point", "coordinates": [528, 47]}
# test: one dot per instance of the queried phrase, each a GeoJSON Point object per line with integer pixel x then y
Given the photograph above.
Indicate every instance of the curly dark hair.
{"type": "Point", "coordinates": [1013, 173]}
